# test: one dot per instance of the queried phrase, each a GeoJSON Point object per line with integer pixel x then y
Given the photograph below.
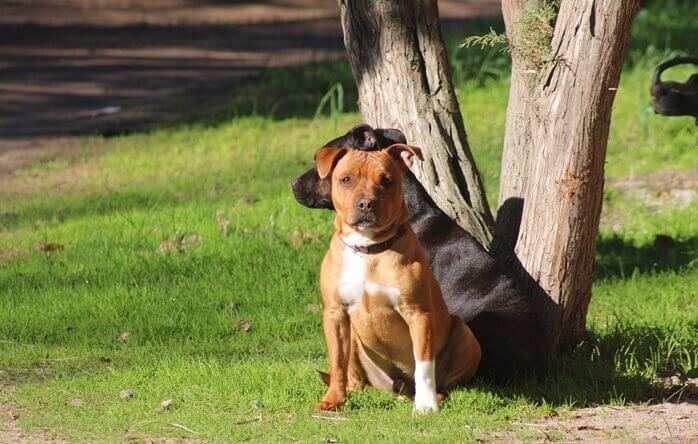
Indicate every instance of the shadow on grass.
{"type": "Point", "coordinates": [618, 258]}
{"type": "Point", "coordinates": [90, 206]}
{"type": "Point", "coordinates": [299, 91]}
{"type": "Point", "coordinates": [613, 367]}
{"type": "Point", "coordinates": [149, 75]}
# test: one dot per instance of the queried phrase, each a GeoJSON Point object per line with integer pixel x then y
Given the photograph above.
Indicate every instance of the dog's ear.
{"type": "Point", "coordinates": [364, 137]}
{"type": "Point", "coordinates": [405, 153]}
{"type": "Point", "coordinates": [390, 136]}
{"type": "Point", "coordinates": [361, 137]}
{"type": "Point", "coordinates": [326, 159]}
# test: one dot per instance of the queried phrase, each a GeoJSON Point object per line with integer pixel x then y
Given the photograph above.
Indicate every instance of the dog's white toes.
{"type": "Point", "coordinates": [424, 406]}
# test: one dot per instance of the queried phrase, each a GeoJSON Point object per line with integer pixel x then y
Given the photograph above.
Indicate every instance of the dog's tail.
{"type": "Point", "coordinates": [324, 377]}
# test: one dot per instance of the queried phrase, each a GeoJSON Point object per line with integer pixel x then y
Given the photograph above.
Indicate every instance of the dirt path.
{"type": "Point", "coordinates": [659, 423]}
{"type": "Point", "coordinates": [73, 67]}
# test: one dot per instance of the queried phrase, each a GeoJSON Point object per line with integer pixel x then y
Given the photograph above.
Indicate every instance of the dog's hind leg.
{"type": "Point", "coordinates": [459, 360]}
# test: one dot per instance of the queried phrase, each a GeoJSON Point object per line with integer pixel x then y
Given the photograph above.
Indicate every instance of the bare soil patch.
{"type": "Point", "coordinates": [10, 432]}
{"type": "Point", "coordinates": [661, 189]}
{"type": "Point", "coordinates": [656, 191]}
{"type": "Point", "coordinates": [665, 423]}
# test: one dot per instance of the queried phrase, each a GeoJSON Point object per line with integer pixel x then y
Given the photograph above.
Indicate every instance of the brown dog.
{"type": "Point", "coordinates": [385, 321]}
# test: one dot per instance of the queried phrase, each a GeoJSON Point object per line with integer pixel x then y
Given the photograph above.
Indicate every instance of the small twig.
{"type": "Point", "coordinates": [248, 421]}
{"type": "Point", "coordinates": [331, 418]}
{"type": "Point", "coordinates": [667, 426]}
{"type": "Point", "coordinates": [180, 426]}
{"type": "Point", "coordinates": [678, 392]}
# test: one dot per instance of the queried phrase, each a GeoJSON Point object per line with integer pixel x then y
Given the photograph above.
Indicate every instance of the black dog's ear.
{"type": "Point", "coordinates": [390, 136]}
{"type": "Point", "coordinates": [364, 137]}
{"type": "Point", "coordinates": [360, 137]}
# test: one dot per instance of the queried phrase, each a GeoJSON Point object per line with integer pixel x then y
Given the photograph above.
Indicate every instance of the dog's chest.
{"type": "Point", "coordinates": [355, 284]}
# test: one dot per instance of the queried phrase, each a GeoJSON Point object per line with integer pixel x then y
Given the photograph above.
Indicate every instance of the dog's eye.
{"type": "Point", "coordinates": [346, 180]}
{"type": "Point", "coordinates": [386, 181]}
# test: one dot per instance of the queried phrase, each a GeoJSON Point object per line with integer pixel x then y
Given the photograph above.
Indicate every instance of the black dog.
{"type": "Point", "coordinates": [480, 289]}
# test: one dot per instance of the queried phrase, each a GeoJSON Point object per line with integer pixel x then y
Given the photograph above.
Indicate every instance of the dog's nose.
{"type": "Point", "coordinates": [365, 204]}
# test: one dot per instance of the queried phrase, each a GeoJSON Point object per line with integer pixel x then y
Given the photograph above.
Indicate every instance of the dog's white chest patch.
{"type": "Point", "coordinates": [353, 284]}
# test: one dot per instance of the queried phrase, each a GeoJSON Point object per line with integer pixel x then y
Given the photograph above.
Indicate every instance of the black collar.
{"type": "Point", "coordinates": [380, 246]}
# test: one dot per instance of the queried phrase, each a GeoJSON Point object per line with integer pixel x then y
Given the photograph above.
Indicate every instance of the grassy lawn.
{"type": "Point", "coordinates": [177, 264]}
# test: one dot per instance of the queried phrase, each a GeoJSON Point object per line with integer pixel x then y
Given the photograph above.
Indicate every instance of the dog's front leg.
{"type": "Point", "coordinates": [419, 322]}
{"type": "Point", "coordinates": [335, 322]}
{"type": "Point", "coordinates": [356, 375]}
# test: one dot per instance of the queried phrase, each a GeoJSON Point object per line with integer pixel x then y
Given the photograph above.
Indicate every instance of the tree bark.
{"type": "Point", "coordinates": [399, 61]}
{"type": "Point", "coordinates": [517, 135]}
{"type": "Point", "coordinates": [555, 148]}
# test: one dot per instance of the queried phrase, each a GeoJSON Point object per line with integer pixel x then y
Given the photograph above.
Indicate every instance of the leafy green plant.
{"type": "Point", "coordinates": [492, 39]}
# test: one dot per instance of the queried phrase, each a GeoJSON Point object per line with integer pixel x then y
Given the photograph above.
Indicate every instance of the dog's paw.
{"type": "Point", "coordinates": [423, 405]}
{"type": "Point", "coordinates": [325, 406]}
{"type": "Point", "coordinates": [330, 403]}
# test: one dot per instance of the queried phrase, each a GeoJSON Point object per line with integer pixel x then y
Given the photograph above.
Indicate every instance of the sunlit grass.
{"type": "Point", "coordinates": [112, 309]}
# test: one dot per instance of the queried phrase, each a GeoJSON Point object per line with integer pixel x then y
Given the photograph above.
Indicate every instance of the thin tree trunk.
{"type": "Point", "coordinates": [562, 148]}
{"type": "Point", "coordinates": [518, 139]}
{"type": "Point", "coordinates": [399, 60]}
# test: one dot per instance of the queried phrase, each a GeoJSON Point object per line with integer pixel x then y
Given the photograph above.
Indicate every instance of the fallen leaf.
{"type": "Point", "coordinates": [127, 394]}
{"type": "Point", "coordinates": [244, 325]}
{"type": "Point", "coordinates": [9, 254]}
{"type": "Point", "coordinates": [231, 307]}
{"type": "Point", "coordinates": [124, 337]}
{"type": "Point", "coordinates": [167, 246]}
{"type": "Point", "coordinates": [222, 222]}
{"type": "Point", "coordinates": [49, 247]}
{"type": "Point", "coordinates": [250, 199]}
{"type": "Point", "coordinates": [179, 243]}
{"type": "Point", "coordinates": [256, 404]}
{"type": "Point", "coordinates": [301, 237]}
{"type": "Point", "coordinates": [165, 405]}
{"type": "Point", "coordinates": [75, 402]}
{"type": "Point", "coordinates": [190, 240]}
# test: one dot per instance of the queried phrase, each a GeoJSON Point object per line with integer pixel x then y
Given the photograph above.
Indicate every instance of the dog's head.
{"type": "Point", "coordinates": [367, 185]}
{"type": "Point", "coordinates": [313, 192]}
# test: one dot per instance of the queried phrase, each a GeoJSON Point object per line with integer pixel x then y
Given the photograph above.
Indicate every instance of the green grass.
{"type": "Point", "coordinates": [112, 206]}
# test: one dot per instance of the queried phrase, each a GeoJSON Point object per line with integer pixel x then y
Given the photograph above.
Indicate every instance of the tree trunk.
{"type": "Point", "coordinates": [517, 136]}
{"type": "Point", "coordinates": [555, 148]}
{"type": "Point", "coordinates": [399, 61]}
